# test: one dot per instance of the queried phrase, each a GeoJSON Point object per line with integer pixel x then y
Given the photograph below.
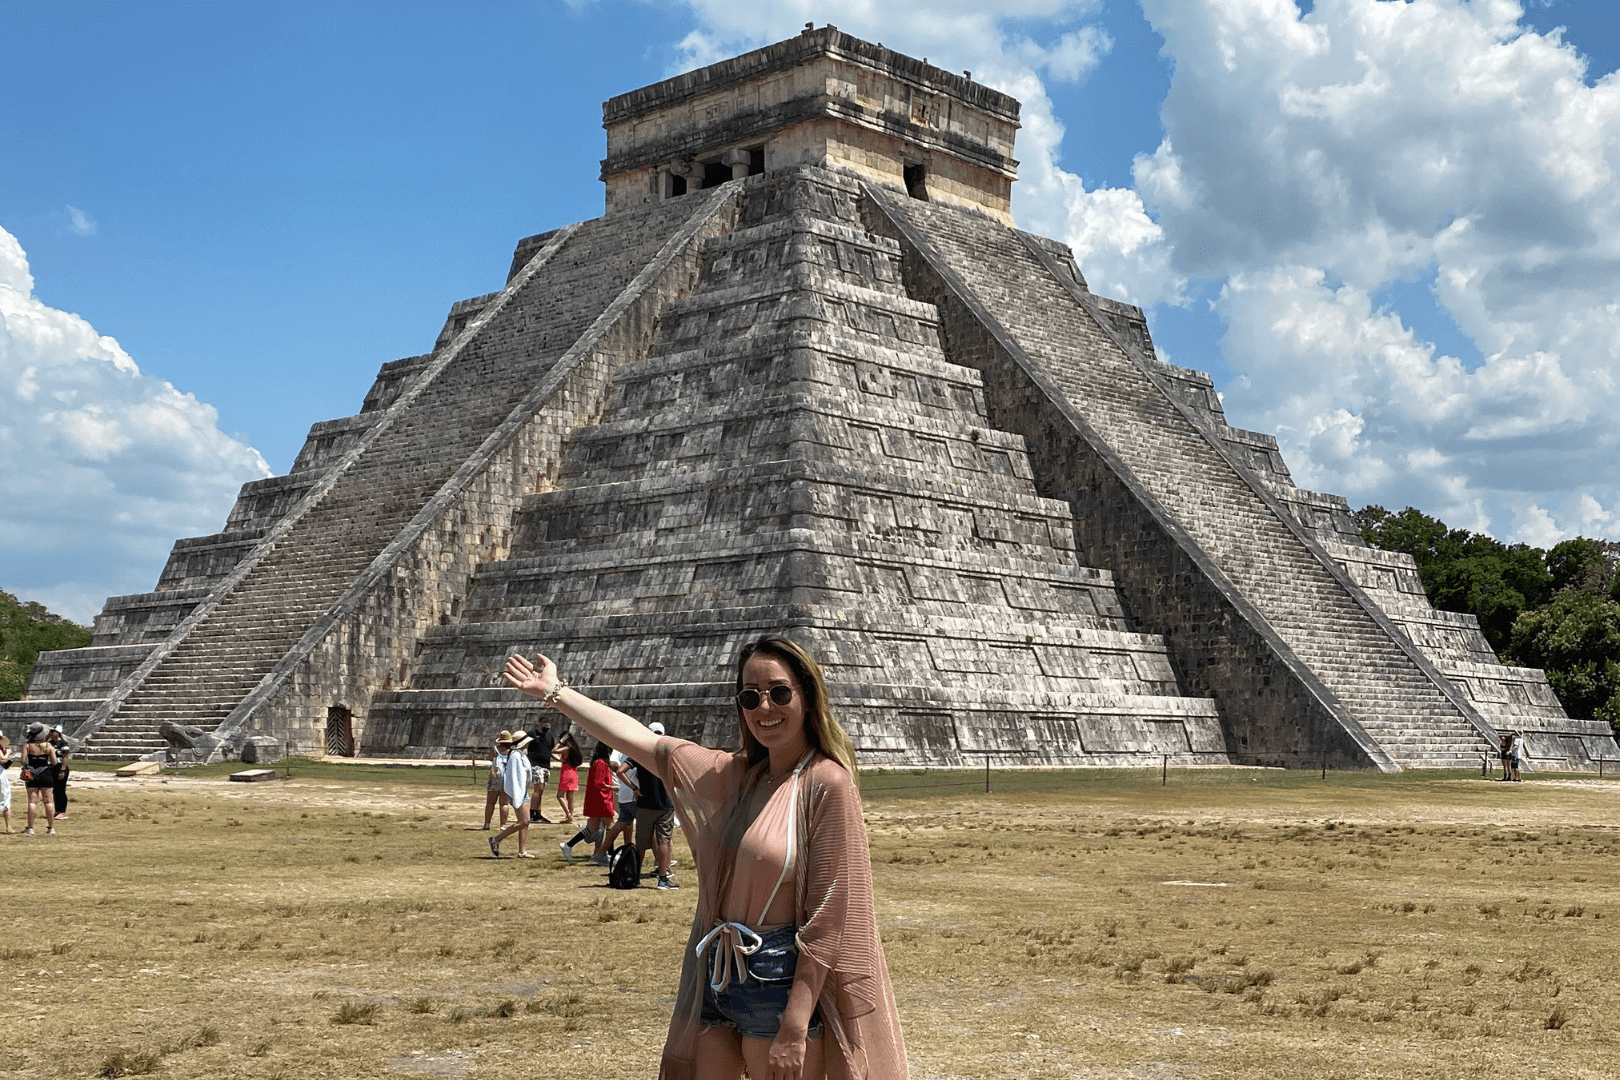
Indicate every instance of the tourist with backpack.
{"type": "Point", "coordinates": [655, 819]}
{"type": "Point", "coordinates": [783, 975]}
{"type": "Point", "coordinates": [624, 823]}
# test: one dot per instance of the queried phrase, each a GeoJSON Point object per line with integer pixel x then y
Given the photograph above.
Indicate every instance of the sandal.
{"type": "Point", "coordinates": [524, 855]}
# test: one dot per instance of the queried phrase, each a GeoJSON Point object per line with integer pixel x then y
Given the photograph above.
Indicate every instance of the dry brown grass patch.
{"type": "Point", "coordinates": [1415, 926]}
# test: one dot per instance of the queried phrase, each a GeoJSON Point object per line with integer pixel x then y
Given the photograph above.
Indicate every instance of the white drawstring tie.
{"type": "Point", "coordinates": [731, 958]}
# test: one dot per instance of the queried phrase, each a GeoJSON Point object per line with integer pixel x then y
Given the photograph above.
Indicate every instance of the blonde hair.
{"type": "Point", "coordinates": [821, 728]}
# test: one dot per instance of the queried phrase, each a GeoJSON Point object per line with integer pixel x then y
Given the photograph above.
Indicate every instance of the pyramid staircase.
{"type": "Point", "coordinates": [796, 453]}
{"type": "Point", "coordinates": [244, 638]}
{"type": "Point", "coordinates": [1339, 644]}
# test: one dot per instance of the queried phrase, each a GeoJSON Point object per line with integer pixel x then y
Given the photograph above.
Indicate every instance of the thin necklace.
{"type": "Point", "coordinates": [777, 778]}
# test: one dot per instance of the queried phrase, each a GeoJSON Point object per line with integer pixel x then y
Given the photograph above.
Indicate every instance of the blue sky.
{"type": "Point", "coordinates": [261, 204]}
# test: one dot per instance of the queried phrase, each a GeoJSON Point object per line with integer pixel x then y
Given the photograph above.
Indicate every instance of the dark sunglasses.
{"type": "Point", "coordinates": [750, 700]}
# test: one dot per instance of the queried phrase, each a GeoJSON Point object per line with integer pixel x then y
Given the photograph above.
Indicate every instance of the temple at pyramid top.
{"type": "Point", "coordinates": [824, 99]}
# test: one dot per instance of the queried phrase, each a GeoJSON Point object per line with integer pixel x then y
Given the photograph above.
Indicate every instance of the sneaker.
{"type": "Point", "coordinates": [525, 855]}
{"type": "Point", "coordinates": [50, 831]}
{"type": "Point", "coordinates": [567, 852]}
{"type": "Point", "coordinates": [667, 883]}
{"type": "Point", "coordinates": [494, 847]}
{"type": "Point", "coordinates": [542, 819]}
{"type": "Point", "coordinates": [601, 860]}
{"type": "Point", "coordinates": [28, 832]}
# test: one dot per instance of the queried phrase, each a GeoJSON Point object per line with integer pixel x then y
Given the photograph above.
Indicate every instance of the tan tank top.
{"type": "Point", "coordinates": [761, 859]}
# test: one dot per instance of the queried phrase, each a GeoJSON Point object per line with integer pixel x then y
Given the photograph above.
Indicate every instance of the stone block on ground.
{"type": "Point", "coordinates": [262, 750]}
{"type": "Point", "coordinates": [251, 776]}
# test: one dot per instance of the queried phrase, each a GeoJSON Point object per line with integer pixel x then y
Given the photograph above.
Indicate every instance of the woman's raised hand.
{"type": "Point", "coordinates": [527, 677]}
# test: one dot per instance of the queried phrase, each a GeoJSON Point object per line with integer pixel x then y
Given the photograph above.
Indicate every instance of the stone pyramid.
{"type": "Point", "coordinates": [803, 375]}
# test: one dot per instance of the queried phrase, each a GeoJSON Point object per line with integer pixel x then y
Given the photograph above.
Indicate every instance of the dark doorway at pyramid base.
{"type": "Point", "coordinates": [339, 732]}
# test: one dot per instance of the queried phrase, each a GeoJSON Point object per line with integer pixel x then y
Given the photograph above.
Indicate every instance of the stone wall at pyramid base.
{"type": "Point", "coordinates": [1510, 698]}
{"type": "Point", "coordinates": [897, 725]}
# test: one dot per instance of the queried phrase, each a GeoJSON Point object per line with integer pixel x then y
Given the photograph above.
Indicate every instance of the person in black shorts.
{"type": "Point", "coordinates": [39, 766]}
{"type": "Point", "coordinates": [655, 818]}
{"type": "Point", "coordinates": [541, 745]}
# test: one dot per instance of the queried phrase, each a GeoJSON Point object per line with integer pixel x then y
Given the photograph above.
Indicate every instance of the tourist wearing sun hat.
{"type": "Point", "coordinates": [516, 772]}
{"type": "Point", "coordinates": [493, 796]}
{"type": "Point", "coordinates": [39, 775]}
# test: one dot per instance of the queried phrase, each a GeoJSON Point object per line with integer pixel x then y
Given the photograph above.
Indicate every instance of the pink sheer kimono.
{"type": "Point", "coordinates": [714, 793]}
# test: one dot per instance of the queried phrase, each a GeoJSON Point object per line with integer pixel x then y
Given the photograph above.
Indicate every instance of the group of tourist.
{"type": "Point", "coordinates": [623, 799]}
{"type": "Point", "coordinates": [44, 773]}
{"type": "Point", "coordinates": [1512, 754]}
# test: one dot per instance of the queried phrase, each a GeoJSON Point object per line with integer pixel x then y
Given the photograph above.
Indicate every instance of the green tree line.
{"type": "Point", "coordinates": [25, 631]}
{"type": "Point", "coordinates": [1557, 609]}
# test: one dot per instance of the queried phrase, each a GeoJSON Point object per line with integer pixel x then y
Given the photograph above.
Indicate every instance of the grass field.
{"type": "Point", "coordinates": [346, 923]}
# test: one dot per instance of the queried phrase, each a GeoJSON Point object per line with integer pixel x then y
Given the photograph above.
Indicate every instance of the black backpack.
{"type": "Point", "coordinates": [624, 868]}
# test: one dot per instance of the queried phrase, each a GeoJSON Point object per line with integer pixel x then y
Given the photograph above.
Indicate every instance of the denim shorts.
{"type": "Point", "coordinates": [755, 1007]}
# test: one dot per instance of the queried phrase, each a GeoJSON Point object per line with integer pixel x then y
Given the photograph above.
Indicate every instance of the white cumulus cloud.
{"type": "Point", "coordinates": [1008, 46]}
{"type": "Point", "coordinates": [1311, 162]}
{"type": "Point", "coordinates": [102, 467]}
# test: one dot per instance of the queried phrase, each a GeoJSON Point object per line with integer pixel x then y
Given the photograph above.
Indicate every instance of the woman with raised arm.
{"type": "Point", "coordinates": [783, 975]}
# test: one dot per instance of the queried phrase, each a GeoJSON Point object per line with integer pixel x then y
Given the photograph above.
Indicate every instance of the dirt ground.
{"type": "Point", "coordinates": [1225, 924]}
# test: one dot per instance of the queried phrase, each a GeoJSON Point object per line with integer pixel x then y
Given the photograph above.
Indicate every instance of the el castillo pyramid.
{"type": "Point", "coordinates": [804, 373]}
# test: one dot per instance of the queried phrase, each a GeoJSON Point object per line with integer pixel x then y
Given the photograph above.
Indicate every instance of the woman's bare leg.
{"type": "Point", "coordinates": [719, 1054]}
{"type": "Point", "coordinates": [490, 798]}
{"type": "Point", "coordinates": [755, 1056]}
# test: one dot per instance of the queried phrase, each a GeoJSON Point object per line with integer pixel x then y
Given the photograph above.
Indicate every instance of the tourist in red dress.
{"type": "Point", "coordinates": [569, 758]}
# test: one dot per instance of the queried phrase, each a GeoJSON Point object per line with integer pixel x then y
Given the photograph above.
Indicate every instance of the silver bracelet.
{"type": "Point", "coordinates": [550, 699]}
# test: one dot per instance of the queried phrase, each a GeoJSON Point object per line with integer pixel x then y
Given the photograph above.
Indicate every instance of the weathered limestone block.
{"type": "Point", "coordinates": [262, 750]}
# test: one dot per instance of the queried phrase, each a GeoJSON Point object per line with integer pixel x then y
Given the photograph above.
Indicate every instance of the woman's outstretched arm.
{"type": "Point", "coordinates": [623, 733]}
